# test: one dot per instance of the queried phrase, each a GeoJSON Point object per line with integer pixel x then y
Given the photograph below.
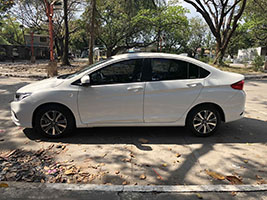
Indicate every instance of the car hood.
{"type": "Point", "coordinates": [40, 85]}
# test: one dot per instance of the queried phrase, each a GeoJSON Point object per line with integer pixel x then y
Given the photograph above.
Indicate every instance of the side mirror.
{"type": "Point", "coordinates": [85, 80]}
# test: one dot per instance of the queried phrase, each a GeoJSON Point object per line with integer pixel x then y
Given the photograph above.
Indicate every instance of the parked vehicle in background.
{"type": "Point", "coordinates": [137, 89]}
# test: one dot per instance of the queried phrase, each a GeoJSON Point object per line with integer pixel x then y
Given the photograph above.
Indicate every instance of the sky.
{"type": "Point", "coordinates": [191, 9]}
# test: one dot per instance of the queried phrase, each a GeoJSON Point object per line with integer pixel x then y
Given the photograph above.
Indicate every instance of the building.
{"type": "Point", "coordinates": [249, 54]}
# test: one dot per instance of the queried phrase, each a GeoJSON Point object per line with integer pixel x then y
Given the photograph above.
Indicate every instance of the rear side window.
{"type": "Point", "coordinates": [167, 69]}
{"type": "Point", "coordinates": [197, 72]}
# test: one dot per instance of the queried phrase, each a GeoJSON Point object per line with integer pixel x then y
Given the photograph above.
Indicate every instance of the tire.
{"type": "Point", "coordinates": [203, 121]}
{"type": "Point", "coordinates": [54, 121]}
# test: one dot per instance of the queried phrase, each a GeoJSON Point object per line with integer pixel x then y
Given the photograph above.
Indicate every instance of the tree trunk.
{"type": "Point", "coordinates": [92, 33]}
{"type": "Point", "coordinates": [65, 57]}
{"type": "Point", "coordinates": [109, 52]}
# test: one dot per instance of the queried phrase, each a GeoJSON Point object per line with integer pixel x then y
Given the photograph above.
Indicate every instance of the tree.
{"type": "Point", "coordinates": [92, 31]}
{"type": "Point", "coordinates": [255, 20]}
{"type": "Point", "coordinates": [32, 14]}
{"type": "Point", "coordinates": [5, 5]}
{"type": "Point", "coordinates": [10, 31]}
{"type": "Point", "coordinates": [222, 17]}
{"type": "Point", "coordinates": [241, 39]}
{"type": "Point", "coordinates": [65, 57]}
{"type": "Point", "coordinates": [197, 34]}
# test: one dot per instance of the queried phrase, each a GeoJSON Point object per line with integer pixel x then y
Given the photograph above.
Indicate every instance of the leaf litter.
{"type": "Point", "coordinates": [40, 166]}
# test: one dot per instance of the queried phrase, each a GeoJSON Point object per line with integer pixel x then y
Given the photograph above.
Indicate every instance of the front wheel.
{"type": "Point", "coordinates": [204, 121]}
{"type": "Point", "coordinates": [54, 121]}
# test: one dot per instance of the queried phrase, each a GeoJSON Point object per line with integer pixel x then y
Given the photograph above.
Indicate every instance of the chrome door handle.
{"type": "Point", "coordinates": [193, 84]}
{"type": "Point", "coordinates": [135, 88]}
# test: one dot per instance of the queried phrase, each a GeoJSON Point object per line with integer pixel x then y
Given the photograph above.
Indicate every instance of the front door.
{"type": "Point", "coordinates": [114, 96]}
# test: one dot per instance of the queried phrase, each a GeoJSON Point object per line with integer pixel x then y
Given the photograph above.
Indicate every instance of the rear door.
{"type": "Point", "coordinates": [172, 87]}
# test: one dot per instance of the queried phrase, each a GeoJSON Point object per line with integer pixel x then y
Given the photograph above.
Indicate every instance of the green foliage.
{"type": "Point", "coordinates": [241, 39]}
{"type": "Point", "coordinates": [11, 33]}
{"type": "Point", "coordinates": [258, 62]}
{"type": "Point", "coordinates": [255, 20]}
{"type": "Point", "coordinates": [5, 5]}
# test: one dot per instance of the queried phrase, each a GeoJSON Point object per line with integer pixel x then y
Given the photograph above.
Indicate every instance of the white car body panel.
{"type": "Point", "coordinates": [167, 101]}
{"type": "Point", "coordinates": [111, 103]}
{"type": "Point", "coordinates": [115, 105]}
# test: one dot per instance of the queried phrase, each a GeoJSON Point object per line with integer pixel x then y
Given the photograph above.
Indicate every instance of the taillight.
{"type": "Point", "coordinates": [239, 85]}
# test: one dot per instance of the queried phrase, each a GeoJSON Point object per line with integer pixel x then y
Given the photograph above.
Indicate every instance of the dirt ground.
{"type": "Point", "coordinates": [150, 155]}
{"type": "Point", "coordinates": [38, 69]}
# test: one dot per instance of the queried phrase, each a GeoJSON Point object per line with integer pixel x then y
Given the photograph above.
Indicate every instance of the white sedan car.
{"type": "Point", "coordinates": [140, 89]}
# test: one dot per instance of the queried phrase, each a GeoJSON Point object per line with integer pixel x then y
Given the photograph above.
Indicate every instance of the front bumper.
{"type": "Point", "coordinates": [21, 114]}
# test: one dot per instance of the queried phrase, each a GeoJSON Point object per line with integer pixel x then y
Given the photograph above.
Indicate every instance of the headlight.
{"type": "Point", "coordinates": [20, 96]}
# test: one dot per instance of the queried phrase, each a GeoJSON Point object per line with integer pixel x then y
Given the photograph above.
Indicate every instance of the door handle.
{"type": "Point", "coordinates": [193, 84]}
{"type": "Point", "coordinates": [135, 88]}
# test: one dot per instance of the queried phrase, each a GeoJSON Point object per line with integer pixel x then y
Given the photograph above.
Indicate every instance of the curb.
{"type": "Point", "coordinates": [142, 189]}
{"type": "Point", "coordinates": [23, 76]}
{"type": "Point", "coordinates": [253, 77]}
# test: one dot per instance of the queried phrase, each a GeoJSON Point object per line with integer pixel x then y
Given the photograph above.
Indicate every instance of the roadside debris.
{"type": "Point", "coordinates": [260, 180]}
{"type": "Point", "coordinates": [234, 180]}
{"type": "Point", "coordinates": [158, 176]}
{"type": "Point", "coordinates": [4, 185]}
{"type": "Point", "coordinates": [142, 177]}
{"type": "Point", "coordinates": [40, 166]}
{"type": "Point", "coordinates": [215, 175]}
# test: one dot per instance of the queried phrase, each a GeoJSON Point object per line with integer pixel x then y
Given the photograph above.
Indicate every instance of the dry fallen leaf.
{"type": "Point", "coordinates": [164, 164]}
{"type": "Point", "coordinates": [117, 172]}
{"type": "Point", "coordinates": [260, 180]}
{"type": "Point", "coordinates": [215, 175]}
{"type": "Point", "coordinates": [178, 155]}
{"type": "Point", "coordinates": [142, 176]}
{"type": "Point", "coordinates": [124, 183]}
{"type": "Point", "coordinates": [3, 185]}
{"type": "Point", "coordinates": [234, 180]}
{"type": "Point", "coordinates": [70, 171]}
{"type": "Point", "coordinates": [199, 196]}
{"type": "Point", "coordinates": [233, 193]}
{"type": "Point", "coordinates": [245, 161]}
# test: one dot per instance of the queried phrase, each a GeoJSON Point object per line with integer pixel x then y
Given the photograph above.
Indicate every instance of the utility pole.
{"type": "Point", "coordinates": [52, 67]}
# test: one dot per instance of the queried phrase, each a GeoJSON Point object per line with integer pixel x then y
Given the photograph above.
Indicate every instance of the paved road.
{"type": "Point", "coordinates": [238, 148]}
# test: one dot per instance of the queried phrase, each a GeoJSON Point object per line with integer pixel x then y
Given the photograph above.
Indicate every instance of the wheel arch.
{"type": "Point", "coordinates": [48, 104]}
{"type": "Point", "coordinates": [216, 106]}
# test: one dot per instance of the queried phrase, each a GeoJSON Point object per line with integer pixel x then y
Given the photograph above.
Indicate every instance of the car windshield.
{"type": "Point", "coordinates": [67, 76]}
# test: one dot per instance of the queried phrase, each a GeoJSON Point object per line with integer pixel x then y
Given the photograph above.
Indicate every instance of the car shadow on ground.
{"type": "Point", "coordinates": [246, 130]}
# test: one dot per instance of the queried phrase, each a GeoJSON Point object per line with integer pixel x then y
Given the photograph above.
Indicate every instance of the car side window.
{"type": "Point", "coordinates": [165, 69]}
{"type": "Point", "coordinates": [196, 72]}
{"type": "Point", "coordinates": [122, 72]}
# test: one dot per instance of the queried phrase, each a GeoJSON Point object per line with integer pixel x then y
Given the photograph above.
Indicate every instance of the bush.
{"type": "Point", "coordinates": [205, 59]}
{"type": "Point", "coordinates": [257, 63]}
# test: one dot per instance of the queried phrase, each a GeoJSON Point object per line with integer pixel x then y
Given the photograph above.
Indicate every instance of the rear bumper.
{"type": "Point", "coordinates": [234, 108]}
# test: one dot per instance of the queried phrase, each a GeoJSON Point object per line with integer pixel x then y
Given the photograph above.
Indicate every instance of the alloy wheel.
{"type": "Point", "coordinates": [205, 122]}
{"type": "Point", "coordinates": [53, 122]}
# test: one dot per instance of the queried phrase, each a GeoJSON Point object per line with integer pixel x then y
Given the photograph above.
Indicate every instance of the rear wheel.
{"type": "Point", "coordinates": [54, 121]}
{"type": "Point", "coordinates": [204, 121]}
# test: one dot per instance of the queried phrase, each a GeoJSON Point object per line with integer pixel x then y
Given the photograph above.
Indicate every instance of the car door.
{"type": "Point", "coordinates": [115, 94]}
{"type": "Point", "coordinates": [172, 88]}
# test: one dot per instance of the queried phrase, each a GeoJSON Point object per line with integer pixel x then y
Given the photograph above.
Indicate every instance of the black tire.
{"type": "Point", "coordinates": [201, 120]}
{"type": "Point", "coordinates": [54, 121]}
